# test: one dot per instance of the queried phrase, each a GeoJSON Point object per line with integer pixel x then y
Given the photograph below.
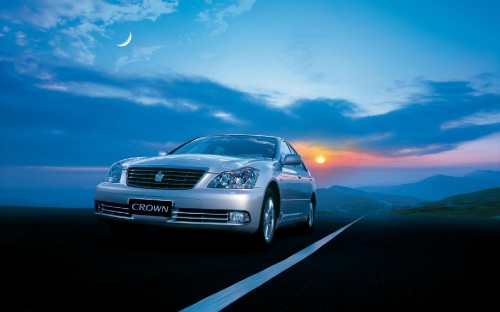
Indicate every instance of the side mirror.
{"type": "Point", "coordinates": [292, 160]}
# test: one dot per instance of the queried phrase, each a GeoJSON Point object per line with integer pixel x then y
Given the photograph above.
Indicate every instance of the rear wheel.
{"type": "Point", "coordinates": [307, 225]}
{"type": "Point", "coordinates": [268, 218]}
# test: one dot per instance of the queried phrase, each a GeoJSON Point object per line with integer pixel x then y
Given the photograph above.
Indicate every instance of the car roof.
{"type": "Point", "coordinates": [242, 134]}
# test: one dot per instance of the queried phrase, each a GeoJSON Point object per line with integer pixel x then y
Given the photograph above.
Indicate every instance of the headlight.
{"type": "Point", "coordinates": [243, 178]}
{"type": "Point", "coordinates": [114, 173]}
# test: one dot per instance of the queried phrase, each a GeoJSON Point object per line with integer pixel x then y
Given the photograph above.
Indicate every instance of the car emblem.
{"type": "Point", "coordinates": [159, 176]}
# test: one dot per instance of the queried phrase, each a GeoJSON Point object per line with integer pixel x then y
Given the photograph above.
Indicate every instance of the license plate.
{"type": "Point", "coordinates": [161, 208]}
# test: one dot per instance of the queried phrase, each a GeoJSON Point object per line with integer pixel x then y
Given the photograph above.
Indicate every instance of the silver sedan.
{"type": "Point", "coordinates": [240, 183]}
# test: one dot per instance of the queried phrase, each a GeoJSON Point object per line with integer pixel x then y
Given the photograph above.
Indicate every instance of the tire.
{"type": "Point", "coordinates": [307, 225]}
{"type": "Point", "coordinates": [268, 219]}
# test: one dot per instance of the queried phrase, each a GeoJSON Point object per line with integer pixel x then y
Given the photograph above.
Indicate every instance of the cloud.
{"type": "Point", "coordinates": [141, 95]}
{"type": "Point", "coordinates": [488, 82]}
{"type": "Point", "coordinates": [52, 86]}
{"type": "Point", "coordinates": [227, 117]}
{"type": "Point", "coordinates": [21, 39]}
{"type": "Point", "coordinates": [476, 119]}
{"type": "Point", "coordinates": [429, 149]}
{"type": "Point", "coordinates": [76, 23]}
{"type": "Point", "coordinates": [138, 54]}
{"type": "Point", "coordinates": [81, 52]}
{"type": "Point", "coordinates": [301, 57]}
{"type": "Point", "coordinates": [215, 18]}
{"type": "Point", "coordinates": [47, 14]}
{"type": "Point", "coordinates": [91, 118]}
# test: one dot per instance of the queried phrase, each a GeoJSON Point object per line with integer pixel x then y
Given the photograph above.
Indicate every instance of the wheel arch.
{"type": "Point", "coordinates": [273, 185]}
{"type": "Point", "coordinates": [313, 200]}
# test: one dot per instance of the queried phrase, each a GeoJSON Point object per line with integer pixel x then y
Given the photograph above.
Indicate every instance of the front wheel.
{"type": "Point", "coordinates": [268, 218]}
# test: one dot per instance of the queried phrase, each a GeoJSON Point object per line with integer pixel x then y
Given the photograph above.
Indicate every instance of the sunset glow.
{"type": "Point", "coordinates": [315, 155]}
{"type": "Point", "coordinates": [320, 160]}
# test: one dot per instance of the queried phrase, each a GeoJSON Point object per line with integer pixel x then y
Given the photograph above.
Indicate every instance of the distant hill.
{"type": "Point", "coordinates": [342, 199]}
{"type": "Point", "coordinates": [484, 204]}
{"type": "Point", "coordinates": [441, 186]}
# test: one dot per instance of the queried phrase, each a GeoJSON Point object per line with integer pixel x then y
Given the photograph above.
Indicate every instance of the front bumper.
{"type": "Point", "coordinates": [197, 208]}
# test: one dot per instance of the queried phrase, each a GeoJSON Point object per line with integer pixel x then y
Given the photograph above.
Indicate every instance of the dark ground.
{"type": "Point", "coordinates": [66, 259]}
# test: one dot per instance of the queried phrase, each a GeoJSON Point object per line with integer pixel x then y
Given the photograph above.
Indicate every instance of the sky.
{"type": "Point", "coordinates": [386, 92]}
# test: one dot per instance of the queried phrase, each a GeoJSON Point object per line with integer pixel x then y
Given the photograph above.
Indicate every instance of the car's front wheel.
{"type": "Point", "coordinates": [268, 218]}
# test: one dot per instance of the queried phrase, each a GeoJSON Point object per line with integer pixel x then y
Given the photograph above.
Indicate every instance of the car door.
{"type": "Point", "coordinates": [290, 185]}
{"type": "Point", "coordinates": [306, 186]}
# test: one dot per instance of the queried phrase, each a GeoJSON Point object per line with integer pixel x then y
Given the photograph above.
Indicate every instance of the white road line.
{"type": "Point", "coordinates": [225, 297]}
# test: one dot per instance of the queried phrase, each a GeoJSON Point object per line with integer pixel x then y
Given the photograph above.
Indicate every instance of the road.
{"type": "Point", "coordinates": [66, 259]}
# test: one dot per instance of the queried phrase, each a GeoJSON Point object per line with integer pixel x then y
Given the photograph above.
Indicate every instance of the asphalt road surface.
{"type": "Point", "coordinates": [66, 259]}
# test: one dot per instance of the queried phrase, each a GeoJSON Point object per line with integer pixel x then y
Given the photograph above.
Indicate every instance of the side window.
{"type": "Point", "coordinates": [292, 149]}
{"type": "Point", "coordinates": [284, 150]}
{"type": "Point", "coordinates": [295, 152]}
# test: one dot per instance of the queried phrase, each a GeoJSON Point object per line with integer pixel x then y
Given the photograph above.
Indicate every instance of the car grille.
{"type": "Point", "coordinates": [200, 215]}
{"type": "Point", "coordinates": [112, 208]}
{"type": "Point", "coordinates": [173, 178]}
{"type": "Point", "coordinates": [178, 214]}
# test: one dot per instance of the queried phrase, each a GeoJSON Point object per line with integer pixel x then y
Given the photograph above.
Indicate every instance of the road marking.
{"type": "Point", "coordinates": [225, 297]}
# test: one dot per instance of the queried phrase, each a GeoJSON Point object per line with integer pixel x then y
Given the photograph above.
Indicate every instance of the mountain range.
{"type": "Point", "coordinates": [438, 187]}
{"type": "Point", "coordinates": [384, 198]}
{"type": "Point", "coordinates": [482, 204]}
{"type": "Point", "coordinates": [348, 200]}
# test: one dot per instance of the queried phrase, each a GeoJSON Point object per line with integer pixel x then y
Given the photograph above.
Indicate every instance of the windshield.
{"type": "Point", "coordinates": [231, 145]}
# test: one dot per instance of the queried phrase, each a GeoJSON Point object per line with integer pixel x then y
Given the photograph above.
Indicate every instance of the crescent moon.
{"type": "Point", "coordinates": [126, 41]}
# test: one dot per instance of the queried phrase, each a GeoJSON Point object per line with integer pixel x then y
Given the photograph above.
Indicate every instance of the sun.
{"type": "Point", "coordinates": [320, 160]}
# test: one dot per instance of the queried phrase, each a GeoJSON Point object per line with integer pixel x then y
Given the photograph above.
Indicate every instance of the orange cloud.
{"type": "Point", "coordinates": [485, 150]}
{"type": "Point", "coordinates": [334, 157]}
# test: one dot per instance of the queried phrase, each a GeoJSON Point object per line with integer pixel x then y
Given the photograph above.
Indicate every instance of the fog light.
{"type": "Point", "coordinates": [239, 217]}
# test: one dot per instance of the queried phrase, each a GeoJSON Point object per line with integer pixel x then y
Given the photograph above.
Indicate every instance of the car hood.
{"type": "Point", "coordinates": [211, 163]}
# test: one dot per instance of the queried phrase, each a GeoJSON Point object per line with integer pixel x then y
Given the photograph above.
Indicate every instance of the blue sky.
{"type": "Point", "coordinates": [370, 85]}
